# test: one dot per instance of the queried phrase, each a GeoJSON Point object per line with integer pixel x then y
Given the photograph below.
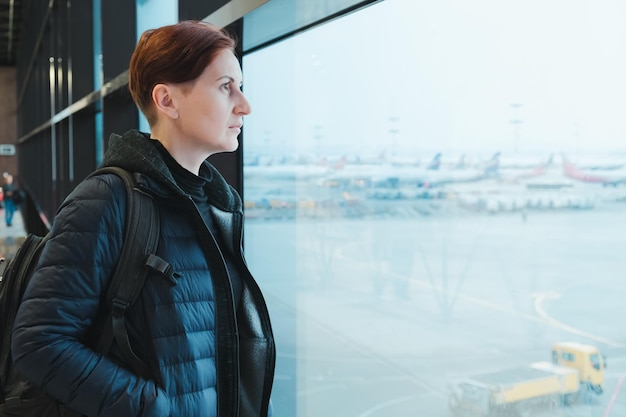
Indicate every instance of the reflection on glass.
{"type": "Point", "coordinates": [435, 200]}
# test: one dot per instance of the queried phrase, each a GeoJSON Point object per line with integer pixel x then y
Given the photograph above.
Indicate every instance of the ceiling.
{"type": "Point", "coordinates": [10, 25]}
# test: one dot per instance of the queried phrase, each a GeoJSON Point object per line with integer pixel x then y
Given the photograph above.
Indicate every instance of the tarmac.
{"type": "Point", "coordinates": [11, 236]}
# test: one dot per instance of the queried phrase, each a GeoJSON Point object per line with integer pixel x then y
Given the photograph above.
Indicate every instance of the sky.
{"type": "Point", "coordinates": [418, 76]}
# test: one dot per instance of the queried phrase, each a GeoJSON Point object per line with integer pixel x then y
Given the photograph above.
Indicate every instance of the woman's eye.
{"type": "Point", "coordinates": [229, 86]}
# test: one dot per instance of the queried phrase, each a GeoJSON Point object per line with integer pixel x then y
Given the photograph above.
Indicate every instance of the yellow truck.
{"type": "Point", "coordinates": [576, 370]}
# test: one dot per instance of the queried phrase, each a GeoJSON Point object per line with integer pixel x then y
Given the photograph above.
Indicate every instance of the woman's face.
{"type": "Point", "coordinates": [210, 111]}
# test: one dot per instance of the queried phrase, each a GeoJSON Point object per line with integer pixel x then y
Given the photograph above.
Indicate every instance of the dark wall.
{"type": "Point", "coordinates": [62, 120]}
{"type": "Point", "coordinates": [8, 121]}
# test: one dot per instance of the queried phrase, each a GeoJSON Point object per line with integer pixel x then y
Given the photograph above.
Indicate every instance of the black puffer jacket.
{"type": "Point", "coordinates": [208, 359]}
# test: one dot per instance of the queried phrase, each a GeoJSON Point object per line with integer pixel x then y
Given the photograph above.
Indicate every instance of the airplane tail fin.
{"type": "Point", "coordinates": [492, 166]}
{"type": "Point", "coordinates": [435, 164]}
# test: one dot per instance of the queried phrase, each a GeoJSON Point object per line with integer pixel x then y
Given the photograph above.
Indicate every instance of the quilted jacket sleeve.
{"type": "Point", "coordinates": [62, 300]}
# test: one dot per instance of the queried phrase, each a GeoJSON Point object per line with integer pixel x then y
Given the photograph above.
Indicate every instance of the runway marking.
{"type": "Point", "coordinates": [540, 298]}
{"type": "Point", "coordinates": [417, 380]}
{"type": "Point", "coordinates": [386, 404]}
{"type": "Point", "coordinates": [497, 307]}
{"type": "Point", "coordinates": [609, 407]}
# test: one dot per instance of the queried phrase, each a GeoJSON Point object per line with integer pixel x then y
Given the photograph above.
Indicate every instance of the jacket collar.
{"type": "Point", "coordinates": [135, 152]}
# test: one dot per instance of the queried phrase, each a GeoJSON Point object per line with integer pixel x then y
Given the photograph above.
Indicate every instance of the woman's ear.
{"type": "Point", "coordinates": [163, 100]}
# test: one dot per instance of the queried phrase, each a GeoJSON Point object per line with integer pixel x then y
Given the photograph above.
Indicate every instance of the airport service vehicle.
{"type": "Point", "coordinates": [576, 372]}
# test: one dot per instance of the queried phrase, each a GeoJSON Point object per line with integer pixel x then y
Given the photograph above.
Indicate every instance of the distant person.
{"type": "Point", "coordinates": [8, 190]}
{"type": "Point", "coordinates": [205, 332]}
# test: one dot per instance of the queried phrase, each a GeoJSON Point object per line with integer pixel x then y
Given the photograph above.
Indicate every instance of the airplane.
{"type": "Point", "coordinates": [521, 169]}
{"type": "Point", "coordinates": [596, 163]}
{"type": "Point", "coordinates": [611, 177]}
{"type": "Point", "coordinates": [431, 175]}
{"type": "Point", "coordinates": [289, 171]}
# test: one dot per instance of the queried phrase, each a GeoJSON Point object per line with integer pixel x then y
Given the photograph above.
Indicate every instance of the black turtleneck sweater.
{"type": "Point", "coordinates": [195, 186]}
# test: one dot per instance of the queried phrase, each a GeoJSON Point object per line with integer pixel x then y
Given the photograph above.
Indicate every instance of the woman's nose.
{"type": "Point", "coordinates": [243, 107]}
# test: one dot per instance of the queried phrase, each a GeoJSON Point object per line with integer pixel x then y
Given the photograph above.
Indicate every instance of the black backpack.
{"type": "Point", "coordinates": [18, 397]}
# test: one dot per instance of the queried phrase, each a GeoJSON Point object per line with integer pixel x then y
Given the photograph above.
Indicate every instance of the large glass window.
{"type": "Point", "coordinates": [435, 198]}
{"type": "Point", "coordinates": [152, 14]}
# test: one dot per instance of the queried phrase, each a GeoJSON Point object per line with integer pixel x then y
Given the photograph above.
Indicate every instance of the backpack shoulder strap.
{"type": "Point", "coordinates": [141, 235]}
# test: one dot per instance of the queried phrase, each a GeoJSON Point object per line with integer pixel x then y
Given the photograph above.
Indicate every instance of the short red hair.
{"type": "Point", "coordinates": [176, 54]}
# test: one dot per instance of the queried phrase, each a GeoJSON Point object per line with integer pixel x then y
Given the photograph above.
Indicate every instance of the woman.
{"type": "Point", "coordinates": [207, 338]}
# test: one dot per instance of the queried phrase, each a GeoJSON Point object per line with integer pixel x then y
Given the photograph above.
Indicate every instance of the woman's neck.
{"type": "Point", "coordinates": [188, 158]}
